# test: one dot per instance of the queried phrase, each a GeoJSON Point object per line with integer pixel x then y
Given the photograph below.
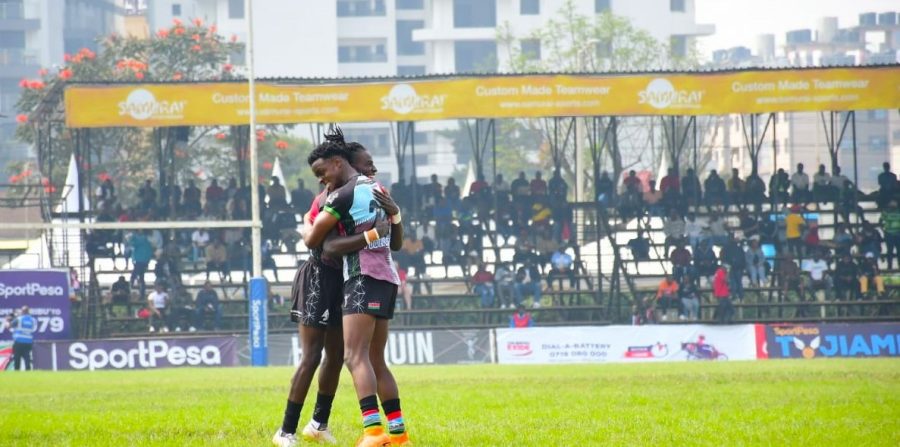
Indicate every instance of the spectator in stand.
{"type": "Point", "coordinates": [724, 308]}
{"type": "Point", "coordinates": [141, 254]}
{"type": "Point", "coordinates": [733, 255]}
{"type": "Point", "coordinates": [736, 189]}
{"type": "Point", "coordinates": [632, 202]}
{"type": "Point", "coordinates": [605, 190]}
{"type": "Point", "coordinates": [403, 288]}
{"type": "Point", "coordinates": [705, 260]}
{"type": "Point", "coordinates": [528, 282]}
{"type": "Point", "coordinates": [670, 186]}
{"type": "Point", "coordinates": [869, 239]}
{"type": "Point", "coordinates": [778, 187]}
{"type": "Point", "coordinates": [870, 273]}
{"type": "Point", "coordinates": [199, 241]}
{"type": "Point", "coordinates": [557, 188]}
{"type": "Point", "coordinates": [690, 298]}
{"type": "Point", "coordinates": [451, 192]}
{"type": "Point", "coordinates": [846, 278]}
{"type": "Point", "coordinates": [694, 230]}
{"type": "Point", "coordinates": [217, 259]}
{"type": "Point", "coordinates": [653, 200]}
{"type": "Point", "coordinates": [838, 181]}
{"type": "Point", "coordinates": [106, 193]}
{"type": "Point", "coordinates": [484, 285]}
{"type": "Point", "coordinates": [277, 194]}
{"type": "Point", "coordinates": [822, 190]}
{"type": "Point", "coordinates": [191, 200]}
{"type": "Point", "coordinates": [848, 201]}
{"type": "Point", "coordinates": [842, 241]}
{"type": "Point", "coordinates": [120, 292]}
{"type": "Point", "coordinates": [718, 230]}
{"type": "Point", "coordinates": [690, 188]}
{"type": "Point", "coordinates": [681, 262]}
{"type": "Point", "coordinates": [501, 189]}
{"type": "Point", "coordinates": [794, 224]}
{"type": "Point", "coordinates": [207, 305]}
{"type": "Point", "coordinates": [748, 223]}
{"type": "Point", "coordinates": [755, 260]}
{"type": "Point", "coordinates": [231, 191]}
{"type": "Point", "coordinates": [890, 221]}
{"type": "Point", "coordinates": [159, 312]}
{"type": "Point", "coordinates": [413, 250]}
{"type": "Point", "coordinates": [147, 196]}
{"type": "Point", "coordinates": [715, 190]}
{"type": "Point", "coordinates": [640, 247]}
{"type": "Point", "coordinates": [521, 319]}
{"type": "Point", "coordinates": [301, 198]}
{"type": "Point", "coordinates": [790, 278]}
{"type": "Point", "coordinates": [505, 287]}
{"type": "Point", "coordinates": [401, 194]}
{"type": "Point", "coordinates": [811, 236]}
{"type": "Point", "coordinates": [538, 185]}
{"type": "Point", "coordinates": [667, 296]}
{"type": "Point", "coordinates": [479, 186]}
{"type": "Point", "coordinates": [800, 185]}
{"type": "Point", "coordinates": [887, 186]}
{"type": "Point", "coordinates": [172, 253]}
{"type": "Point", "coordinates": [674, 229]}
{"type": "Point", "coordinates": [755, 191]}
{"type": "Point", "coordinates": [562, 269]}
{"type": "Point", "coordinates": [521, 195]}
{"type": "Point", "coordinates": [818, 279]}
{"type": "Point", "coordinates": [215, 199]}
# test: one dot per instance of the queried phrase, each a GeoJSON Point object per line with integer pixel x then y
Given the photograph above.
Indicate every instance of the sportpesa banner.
{"type": "Point", "coordinates": [760, 91]}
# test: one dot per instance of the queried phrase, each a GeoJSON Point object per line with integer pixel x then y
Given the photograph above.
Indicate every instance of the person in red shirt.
{"type": "Point", "coordinates": [484, 285]}
{"type": "Point", "coordinates": [538, 185]}
{"type": "Point", "coordinates": [724, 309]}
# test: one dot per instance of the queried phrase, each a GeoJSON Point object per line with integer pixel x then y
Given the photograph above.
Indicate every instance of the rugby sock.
{"type": "Point", "coordinates": [371, 418]}
{"type": "Point", "coordinates": [291, 417]}
{"type": "Point", "coordinates": [394, 416]}
{"type": "Point", "coordinates": [322, 410]}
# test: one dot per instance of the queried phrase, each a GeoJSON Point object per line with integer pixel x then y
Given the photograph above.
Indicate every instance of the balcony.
{"type": "Point", "coordinates": [18, 17]}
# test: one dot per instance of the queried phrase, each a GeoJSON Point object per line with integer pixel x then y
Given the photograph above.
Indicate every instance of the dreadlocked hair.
{"type": "Point", "coordinates": [333, 146]}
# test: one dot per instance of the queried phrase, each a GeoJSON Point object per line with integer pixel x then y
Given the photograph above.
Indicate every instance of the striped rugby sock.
{"type": "Point", "coordinates": [394, 416]}
{"type": "Point", "coordinates": [370, 415]}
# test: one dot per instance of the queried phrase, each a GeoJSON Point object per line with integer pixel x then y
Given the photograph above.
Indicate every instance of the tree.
{"type": "Point", "coordinates": [573, 42]}
{"type": "Point", "coordinates": [182, 52]}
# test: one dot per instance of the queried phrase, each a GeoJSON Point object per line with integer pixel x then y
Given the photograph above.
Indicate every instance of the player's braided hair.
{"type": "Point", "coordinates": [333, 146]}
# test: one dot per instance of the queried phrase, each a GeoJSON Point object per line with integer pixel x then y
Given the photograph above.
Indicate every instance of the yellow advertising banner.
{"type": "Point", "coordinates": [751, 91]}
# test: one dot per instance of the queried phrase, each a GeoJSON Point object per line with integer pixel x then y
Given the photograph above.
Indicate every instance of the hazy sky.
{"type": "Point", "coordinates": [739, 21]}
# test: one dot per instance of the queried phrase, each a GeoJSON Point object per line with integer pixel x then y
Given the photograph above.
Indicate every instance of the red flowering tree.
{"type": "Point", "coordinates": [182, 52]}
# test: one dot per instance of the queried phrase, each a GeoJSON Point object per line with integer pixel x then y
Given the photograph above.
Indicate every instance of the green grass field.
{"type": "Point", "coordinates": [821, 402]}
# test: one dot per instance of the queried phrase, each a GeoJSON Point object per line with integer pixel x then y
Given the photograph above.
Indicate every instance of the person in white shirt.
{"type": "Point", "coordinates": [199, 241]}
{"type": "Point", "coordinates": [821, 185]}
{"type": "Point", "coordinates": [818, 279]}
{"type": "Point", "coordinates": [159, 302]}
{"type": "Point", "coordinates": [838, 180]}
{"type": "Point", "coordinates": [694, 228]}
{"type": "Point", "coordinates": [800, 185]}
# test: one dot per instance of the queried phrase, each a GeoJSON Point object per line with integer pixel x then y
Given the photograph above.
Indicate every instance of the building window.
{"type": "Point", "coordinates": [410, 70]}
{"type": "Point", "coordinates": [676, 5]}
{"type": "Point", "coordinates": [235, 9]}
{"type": "Point", "coordinates": [475, 56]}
{"type": "Point", "coordinates": [877, 115]}
{"type": "Point", "coordinates": [678, 46]}
{"type": "Point", "coordinates": [360, 8]}
{"type": "Point", "coordinates": [877, 143]}
{"type": "Point", "coordinates": [474, 13]}
{"type": "Point", "coordinates": [12, 39]}
{"type": "Point", "coordinates": [601, 6]}
{"type": "Point", "coordinates": [176, 9]}
{"type": "Point", "coordinates": [529, 7]}
{"type": "Point", "coordinates": [362, 52]}
{"type": "Point", "coordinates": [410, 4]}
{"type": "Point", "coordinates": [406, 46]}
{"type": "Point", "coordinates": [531, 49]}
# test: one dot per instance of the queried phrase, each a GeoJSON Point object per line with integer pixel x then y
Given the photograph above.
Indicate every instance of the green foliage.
{"type": "Point", "coordinates": [847, 402]}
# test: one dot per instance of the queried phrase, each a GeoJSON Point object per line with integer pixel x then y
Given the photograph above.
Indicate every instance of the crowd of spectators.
{"type": "Point", "coordinates": [780, 249]}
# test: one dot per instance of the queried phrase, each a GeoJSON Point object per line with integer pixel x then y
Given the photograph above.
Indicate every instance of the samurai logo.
{"type": "Point", "coordinates": [403, 99]}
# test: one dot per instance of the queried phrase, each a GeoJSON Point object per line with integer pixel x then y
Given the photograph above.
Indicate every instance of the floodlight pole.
{"type": "Point", "coordinates": [256, 226]}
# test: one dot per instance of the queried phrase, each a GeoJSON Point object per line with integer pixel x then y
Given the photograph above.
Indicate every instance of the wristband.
{"type": "Point", "coordinates": [396, 219]}
{"type": "Point", "coordinates": [371, 235]}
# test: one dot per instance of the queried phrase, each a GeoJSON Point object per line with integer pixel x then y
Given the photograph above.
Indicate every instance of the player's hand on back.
{"type": "Point", "coordinates": [386, 202]}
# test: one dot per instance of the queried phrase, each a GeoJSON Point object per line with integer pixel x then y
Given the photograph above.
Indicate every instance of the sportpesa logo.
{"type": "Point", "coordinates": [30, 289]}
{"type": "Point", "coordinates": [661, 94]}
{"type": "Point", "coordinates": [403, 99]}
{"type": "Point", "coordinates": [142, 105]}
